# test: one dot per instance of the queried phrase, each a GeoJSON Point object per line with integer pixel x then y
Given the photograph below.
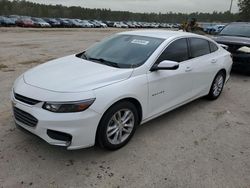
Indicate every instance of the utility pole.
{"type": "Point", "coordinates": [231, 5]}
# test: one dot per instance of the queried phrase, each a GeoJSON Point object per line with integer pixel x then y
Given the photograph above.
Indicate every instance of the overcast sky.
{"type": "Point", "coordinates": [163, 6]}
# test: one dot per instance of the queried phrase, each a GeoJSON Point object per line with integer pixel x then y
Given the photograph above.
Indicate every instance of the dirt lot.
{"type": "Point", "coordinates": [203, 144]}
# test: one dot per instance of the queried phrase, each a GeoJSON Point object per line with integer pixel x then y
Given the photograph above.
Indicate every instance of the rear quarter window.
{"type": "Point", "coordinates": [213, 47]}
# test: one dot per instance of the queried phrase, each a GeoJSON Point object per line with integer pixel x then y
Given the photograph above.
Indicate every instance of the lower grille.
{"type": "Point", "coordinates": [59, 135]}
{"type": "Point", "coordinates": [25, 117]}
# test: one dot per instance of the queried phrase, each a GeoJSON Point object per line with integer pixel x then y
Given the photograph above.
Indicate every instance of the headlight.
{"type": "Point", "coordinates": [68, 107]}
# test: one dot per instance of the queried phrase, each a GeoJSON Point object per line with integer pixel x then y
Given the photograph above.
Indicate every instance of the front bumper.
{"type": "Point", "coordinates": [80, 127]}
{"type": "Point", "coordinates": [241, 62]}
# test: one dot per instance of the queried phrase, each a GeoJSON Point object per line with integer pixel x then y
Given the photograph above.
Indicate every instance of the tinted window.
{"type": "Point", "coordinates": [199, 47]}
{"type": "Point", "coordinates": [213, 47]}
{"type": "Point", "coordinates": [176, 51]}
{"type": "Point", "coordinates": [127, 51]}
{"type": "Point", "coordinates": [237, 29]}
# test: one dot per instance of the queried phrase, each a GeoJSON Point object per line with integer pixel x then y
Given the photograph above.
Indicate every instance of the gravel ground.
{"type": "Point", "coordinates": [202, 144]}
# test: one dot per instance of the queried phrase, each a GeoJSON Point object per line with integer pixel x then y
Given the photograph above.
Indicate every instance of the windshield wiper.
{"type": "Point", "coordinates": [84, 56]}
{"type": "Point", "coordinates": [104, 61]}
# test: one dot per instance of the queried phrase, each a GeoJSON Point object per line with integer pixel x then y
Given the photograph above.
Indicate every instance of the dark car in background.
{"type": "Point", "coordinates": [64, 22]}
{"type": "Point", "coordinates": [236, 37]}
{"type": "Point", "coordinates": [109, 23]}
{"type": "Point", "coordinates": [53, 22]}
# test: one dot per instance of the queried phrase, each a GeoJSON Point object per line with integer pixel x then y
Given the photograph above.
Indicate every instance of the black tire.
{"type": "Point", "coordinates": [213, 95]}
{"type": "Point", "coordinates": [102, 138]}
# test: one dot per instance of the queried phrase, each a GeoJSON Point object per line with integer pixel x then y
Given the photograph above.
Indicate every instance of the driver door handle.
{"type": "Point", "coordinates": [188, 69]}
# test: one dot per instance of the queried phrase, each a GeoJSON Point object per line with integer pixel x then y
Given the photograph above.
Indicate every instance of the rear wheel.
{"type": "Point", "coordinates": [117, 126]}
{"type": "Point", "coordinates": [217, 86]}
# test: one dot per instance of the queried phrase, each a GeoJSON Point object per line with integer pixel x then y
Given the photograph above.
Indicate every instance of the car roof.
{"type": "Point", "coordinates": [163, 34]}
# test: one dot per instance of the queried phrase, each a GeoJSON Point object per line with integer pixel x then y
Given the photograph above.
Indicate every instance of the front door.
{"type": "Point", "coordinates": [169, 88]}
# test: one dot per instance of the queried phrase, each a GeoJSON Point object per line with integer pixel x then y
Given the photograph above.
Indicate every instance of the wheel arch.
{"type": "Point", "coordinates": [132, 100]}
{"type": "Point", "coordinates": [223, 71]}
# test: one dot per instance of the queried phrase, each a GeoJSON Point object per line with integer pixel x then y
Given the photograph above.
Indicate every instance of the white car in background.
{"type": "Point", "coordinates": [101, 95]}
{"type": "Point", "coordinates": [120, 25]}
{"type": "Point", "coordinates": [103, 25]}
{"type": "Point", "coordinates": [87, 24]}
{"type": "Point", "coordinates": [39, 22]}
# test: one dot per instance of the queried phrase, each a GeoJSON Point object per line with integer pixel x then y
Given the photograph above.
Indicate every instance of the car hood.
{"type": "Point", "coordinates": [232, 40]}
{"type": "Point", "coordinates": [73, 74]}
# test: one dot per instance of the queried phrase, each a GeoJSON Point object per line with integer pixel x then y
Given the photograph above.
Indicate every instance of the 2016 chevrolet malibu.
{"type": "Point", "coordinates": [101, 95]}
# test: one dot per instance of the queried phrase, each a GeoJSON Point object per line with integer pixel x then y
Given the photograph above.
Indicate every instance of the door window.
{"type": "Point", "coordinates": [177, 51]}
{"type": "Point", "coordinates": [199, 47]}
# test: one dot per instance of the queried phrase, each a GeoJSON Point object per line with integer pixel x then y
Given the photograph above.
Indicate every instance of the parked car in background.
{"type": "Point", "coordinates": [5, 21]}
{"type": "Point", "coordinates": [214, 29]}
{"type": "Point", "coordinates": [25, 22]}
{"type": "Point", "coordinates": [120, 25]}
{"type": "Point", "coordinates": [153, 25]}
{"type": "Point", "coordinates": [137, 25]}
{"type": "Point", "coordinates": [14, 17]}
{"type": "Point", "coordinates": [64, 22]}
{"type": "Point", "coordinates": [151, 72]}
{"type": "Point", "coordinates": [39, 22]}
{"type": "Point", "coordinates": [96, 24]}
{"type": "Point", "coordinates": [53, 22]}
{"type": "Point", "coordinates": [130, 24]}
{"type": "Point", "coordinates": [109, 23]}
{"type": "Point", "coordinates": [80, 23]}
{"type": "Point", "coordinates": [74, 23]}
{"type": "Point", "coordinates": [236, 36]}
{"type": "Point", "coordinates": [103, 25]}
{"type": "Point", "coordinates": [87, 24]}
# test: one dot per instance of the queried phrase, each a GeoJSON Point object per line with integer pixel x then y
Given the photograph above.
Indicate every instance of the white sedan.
{"type": "Point", "coordinates": [101, 95]}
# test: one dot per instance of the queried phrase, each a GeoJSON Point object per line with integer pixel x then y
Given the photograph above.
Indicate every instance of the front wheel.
{"type": "Point", "coordinates": [117, 126]}
{"type": "Point", "coordinates": [217, 86]}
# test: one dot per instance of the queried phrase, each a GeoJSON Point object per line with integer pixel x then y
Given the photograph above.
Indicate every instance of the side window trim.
{"type": "Point", "coordinates": [189, 48]}
{"type": "Point", "coordinates": [209, 44]}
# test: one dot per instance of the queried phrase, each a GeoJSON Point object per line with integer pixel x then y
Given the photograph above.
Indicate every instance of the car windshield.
{"type": "Point", "coordinates": [241, 30]}
{"type": "Point", "coordinates": [123, 51]}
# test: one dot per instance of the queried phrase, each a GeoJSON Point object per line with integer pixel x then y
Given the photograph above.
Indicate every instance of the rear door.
{"type": "Point", "coordinates": [203, 63]}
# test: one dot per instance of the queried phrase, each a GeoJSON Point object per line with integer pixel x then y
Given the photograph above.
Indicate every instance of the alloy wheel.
{"type": "Point", "coordinates": [120, 126]}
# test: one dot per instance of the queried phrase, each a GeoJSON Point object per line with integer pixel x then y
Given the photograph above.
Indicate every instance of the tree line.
{"type": "Point", "coordinates": [22, 7]}
{"type": "Point", "coordinates": [244, 6]}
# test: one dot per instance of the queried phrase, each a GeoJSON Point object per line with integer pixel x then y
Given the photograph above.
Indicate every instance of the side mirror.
{"type": "Point", "coordinates": [165, 65]}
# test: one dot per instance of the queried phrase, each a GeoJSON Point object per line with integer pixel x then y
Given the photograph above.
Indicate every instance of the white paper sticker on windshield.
{"type": "Point", "coordinates": [142, 42]}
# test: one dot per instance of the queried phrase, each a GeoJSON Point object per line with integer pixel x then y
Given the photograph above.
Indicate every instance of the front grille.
{"type": "Point", "coordinates": [25, 117]}
{"type": "Point", "coordinates": [25, 99]}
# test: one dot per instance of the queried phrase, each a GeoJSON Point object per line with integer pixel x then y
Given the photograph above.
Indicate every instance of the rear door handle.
{"type": "Point", "coordinates": [188, 69]}
{"type": "Point", "coordinates": [214, 61]}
